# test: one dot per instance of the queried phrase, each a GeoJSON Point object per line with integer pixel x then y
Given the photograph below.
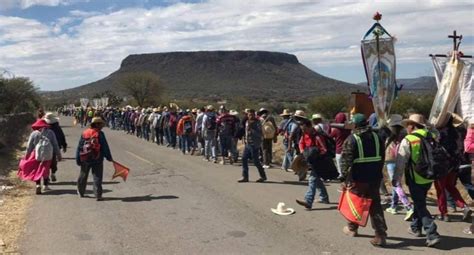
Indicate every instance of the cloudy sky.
{"type": "Point", "coordinates": [65, 43]}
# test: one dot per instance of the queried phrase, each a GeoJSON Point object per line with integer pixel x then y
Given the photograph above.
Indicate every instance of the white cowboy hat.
{"type": "Point", "coordinates": [50, 118]}
{"type": "Point", "coordinates": [233, 112]}
{"type": "Point", "coordinates": [286, 112]}
{"type": "Point", "coordinates": [281, 210]}
{"type": "Point", "coordinates": [316, 116]}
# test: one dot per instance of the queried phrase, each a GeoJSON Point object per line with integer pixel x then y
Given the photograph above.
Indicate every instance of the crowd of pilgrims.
{"type": "Point", "coordinates": [215, 134]}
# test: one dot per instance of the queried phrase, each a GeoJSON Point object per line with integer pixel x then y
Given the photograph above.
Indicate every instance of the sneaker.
{"type": "Point", "coordinates": [416, 233]}
{"type": "Point", "coordinates": [409, 215]}
{"type": "Point", "coordinates": [347, 231]}
{"type": "Point", "coordinates": [385, 201]}
{"type": "Point", "coordinates": [243, 180]}
{"type": "Point", "coordinates": [433, 242]}
{"type": "Point", "coordinates": [261, 180]}
{"type": "Point", "coordinates": [46, 188]}
{"type": "Point", "coordinates": [444, 218]}
{"type": "Point", "coordinates": [266, 166]}
{"type": "Point", "coordinates": [222, 162]}
{"type": "Point", "coordinates": [466, 213]}
{"type": "Point", "coordinates": [53, 178]}
{"type": "Point", "coordinates": [290, 170]}
{"type": "Point", "coordinates": [391, 210]}
{"type": "Point", "coordinates": [323, 202]}
{"type": "Point", "coordinates": [38, 189]}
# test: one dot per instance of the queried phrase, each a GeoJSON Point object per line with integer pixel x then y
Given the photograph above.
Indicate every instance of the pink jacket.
{"type": "Point", "coordinates": [469, 141]}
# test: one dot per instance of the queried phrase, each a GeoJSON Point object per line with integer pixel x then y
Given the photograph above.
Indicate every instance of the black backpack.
{"type": "Point", "coordinates": [330, 144]}
{"type": "Point", "coordinates": [188, 127]}
{"type": "Point", "coordinates": [211, 121]}
{"type": "Point", "coordinates": [434, 161]}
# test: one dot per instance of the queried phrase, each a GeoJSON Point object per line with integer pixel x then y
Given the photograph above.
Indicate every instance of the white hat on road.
{"type": "Point", "coordinates": [281, 210]}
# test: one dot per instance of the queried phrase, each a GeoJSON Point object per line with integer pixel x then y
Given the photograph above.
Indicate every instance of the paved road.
{"type": "Point", "coordinates": [174, 204]}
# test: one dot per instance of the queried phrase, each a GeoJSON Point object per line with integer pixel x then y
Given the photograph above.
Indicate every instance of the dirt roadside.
{"type": "Point", "coordinates": [15, 198]}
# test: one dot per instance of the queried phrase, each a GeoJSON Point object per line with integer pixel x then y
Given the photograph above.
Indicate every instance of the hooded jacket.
{"type": "Point", "coordinates": [340, 134]}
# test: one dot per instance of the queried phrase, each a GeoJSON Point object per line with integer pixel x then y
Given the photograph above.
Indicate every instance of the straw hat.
{"type": "Point", "coordinates": [262, 111]}
{"type": "Point", "coordinates": [233, 112]}
{"type": "Point", "coordinates": [299, 164]}
{"type": "Point", "coordinates": [50, 118]}
{"type": "Point", "coordinates": [210, 107]}
{"type": "Point", "coordinates": [281, 210]}
{"type": "Point", "coordinates": [156, 109]}
{"type": "Point", "coordinates": [97, 120]}
{"type": "Point", "coordinates": [457, 120]}
{"type": "Point", "coordinates": [414, 119]}
{"type": "Point", "coordinates": [316, 116]}
{"type": "Point", "coordinates": [395, 120]}
{"type": "Point", "coordinates": [300, 114]}
{"type": "Point", "coordinates": [286, 112]}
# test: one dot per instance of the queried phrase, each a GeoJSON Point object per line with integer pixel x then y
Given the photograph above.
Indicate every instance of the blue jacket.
{"type": "Point", "coordinates": [104, 151]}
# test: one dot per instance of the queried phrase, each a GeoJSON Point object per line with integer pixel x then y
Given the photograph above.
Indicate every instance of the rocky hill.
{"type": "Point", "coordinates": [219, 75]}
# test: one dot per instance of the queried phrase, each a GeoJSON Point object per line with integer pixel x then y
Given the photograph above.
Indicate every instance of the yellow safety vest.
{"type": "Point", "coordinates": [362, 158]}
{"type": "Point", "coordinates": [415, 155]}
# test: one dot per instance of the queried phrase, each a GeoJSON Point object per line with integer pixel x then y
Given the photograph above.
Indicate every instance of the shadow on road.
{"type": "Point", "coordinates": [448, 243]}
{"type": "Point", "coordinates": [305, 183]}
{"type": "Point", "coordinates": [57, 192]}
{"type": "Point", "coordinates": [75, 183]}
{"type": "Point", "coordinates": [324, 209]}
{"type": "Point", "coordinates": [140, 198]}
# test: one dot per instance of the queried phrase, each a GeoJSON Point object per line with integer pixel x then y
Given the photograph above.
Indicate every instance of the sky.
{"type": "Point", "coordinates": [62, 44]}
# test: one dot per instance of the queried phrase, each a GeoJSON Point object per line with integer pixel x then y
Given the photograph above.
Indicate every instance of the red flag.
{"type": "Point", "coordinates": [354, 208]}
{"type": "Point", "coordinates": [120, 170]}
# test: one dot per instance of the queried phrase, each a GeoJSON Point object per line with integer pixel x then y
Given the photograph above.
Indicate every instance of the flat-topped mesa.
{"type": "Point", "coordinates": [266, 57]}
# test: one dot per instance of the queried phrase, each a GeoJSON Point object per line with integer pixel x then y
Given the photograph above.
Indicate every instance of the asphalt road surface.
{"type": "Point", "coordinates": [175, 204]}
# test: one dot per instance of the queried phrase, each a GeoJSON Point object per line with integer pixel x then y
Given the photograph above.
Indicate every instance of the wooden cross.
{"type": "Point", "coordinates": [455, 40]}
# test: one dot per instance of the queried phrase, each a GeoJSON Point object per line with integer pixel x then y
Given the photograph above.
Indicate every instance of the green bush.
{"type": "Point", "coordinates": [328, 105]}
{"type": "Point", "coordinates": [415, 103]}
{"type": "Point", "coordinates": [18, 95]}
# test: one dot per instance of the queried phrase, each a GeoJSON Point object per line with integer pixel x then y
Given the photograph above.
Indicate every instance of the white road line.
{"type": "Point", "coordinates": [140, 158]}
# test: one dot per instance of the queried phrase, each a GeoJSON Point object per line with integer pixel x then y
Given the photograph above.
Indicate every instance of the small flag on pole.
{"type": "Point", "coordinates": [120, 170]}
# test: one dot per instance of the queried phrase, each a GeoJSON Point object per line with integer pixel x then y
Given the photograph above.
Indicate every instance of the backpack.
{"type": "Point", "coordinates": [434, 160]}
{"type": "Point", "coordinates": [211, 122]}
{"type": "Point", "coordinates": [44, 148]}
{"type": "Point", "coordinates": [188, 127]}
{"type": "Point", "coordinates": [228, 126]}
{"type": "Point", "coordinates": [330, 144]}
{"type": "Point", "coordinates": [268, 130]}
{"type": "Point", "coordinates": [90, 149]}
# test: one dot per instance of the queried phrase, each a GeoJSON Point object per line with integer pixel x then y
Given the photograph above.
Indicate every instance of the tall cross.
{"type": "Point", "coordinates": [455, 40]}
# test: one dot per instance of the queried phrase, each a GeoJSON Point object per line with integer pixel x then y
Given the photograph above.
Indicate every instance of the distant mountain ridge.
{"type": "Point", "coordinates": [420, 84]}
{"type": "Point", "coordinates": [258, 75]}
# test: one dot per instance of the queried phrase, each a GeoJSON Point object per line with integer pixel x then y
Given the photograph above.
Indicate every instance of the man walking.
{"type": "Point", "coordinates": [253, 141]}
{"type": "Point", "coordinates": [270, 133]}
{"type": "Point", "coordinates": [408, 156]}
{"type": "Point", "coordinates": [362, 164]}
{"type": "Point", "coordinates": [226, 130]}
{"type": "Point", "coordinates": [209, 126]}
{"type": "Point", "coordinates": [90, 154]}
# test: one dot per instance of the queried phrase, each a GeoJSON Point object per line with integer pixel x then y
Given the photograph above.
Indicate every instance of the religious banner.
{"type": "Point", "coordinates": [448, 93]}
{"type": "Point", "coordinates": [378, 55]}
{"type": "Point", "coordinates": [467, 92]}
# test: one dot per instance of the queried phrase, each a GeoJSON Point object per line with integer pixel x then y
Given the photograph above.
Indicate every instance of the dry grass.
{"type": "Point", "coordinates": [15, 204]}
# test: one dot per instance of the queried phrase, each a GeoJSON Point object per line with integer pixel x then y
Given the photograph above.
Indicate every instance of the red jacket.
{"type": "Point", "coordinates": [180, 128]}
{"type": "Point", "coordinates": [312, 139]}
{"type": "Point", "coordinates": [339, 134]}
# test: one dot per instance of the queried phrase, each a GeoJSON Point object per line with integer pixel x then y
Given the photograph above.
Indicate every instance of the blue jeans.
{"type": "Point", "coordinates": [253, 152]}
{"type": "Point", "coordinates": [288, 159]}
{"type": "Point", "coordinates": [210, 144]}
{"type": "Point", "coordinates": [315, 183]}
{"type": "Point", "coordinates": [421, 217]}
{"type": "Point", "coordinates": [186, 143]}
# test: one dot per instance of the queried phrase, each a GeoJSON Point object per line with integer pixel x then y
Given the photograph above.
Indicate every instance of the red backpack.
{"type": "Point", "coordinates": [90, 150]}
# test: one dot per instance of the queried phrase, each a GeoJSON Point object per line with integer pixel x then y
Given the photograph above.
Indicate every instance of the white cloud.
{"type": "Point", "coordinates": [322, 34]}
{"type": "Point", "coordinates": [25, 4]}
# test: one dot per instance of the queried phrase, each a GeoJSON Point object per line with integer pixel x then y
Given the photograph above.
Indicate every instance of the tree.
{"type": "Point", "coordinates": [329, 105]}
{"type": "Point", "coordinates": [144, 87]}
{"type": "Point", "coordinates": [18, 95]}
